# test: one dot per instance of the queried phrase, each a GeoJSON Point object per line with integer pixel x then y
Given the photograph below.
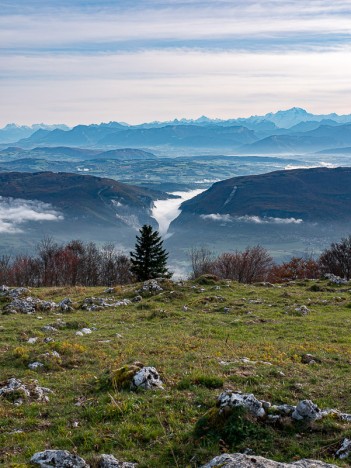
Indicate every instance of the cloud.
{"type": "Point", "coordinates": [163, 84]}
{"type": "Point", "coordinates": [87, 61]}
{"type": "Point", "coordinates": [268, 220]}
{"type": "Point", "coordinates": [15, 212]}
{"type": "Point", "coordinates": [226, 218]}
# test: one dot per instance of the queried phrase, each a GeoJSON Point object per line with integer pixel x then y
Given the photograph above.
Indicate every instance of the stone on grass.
{"type": "Point", "coordinates": [147, 378]}
{"type": "Point", "coordinates": [302, 310]}
{"type": "Point", "coordinates": [58, 459]}
{"type": "Point", "coordinates": [229, 399]}
{"type": "Point", "coordinates": [35, 365]}
{"type": "Point", "coordinates": [32, 340]}
{"type": "Point", "coordinates": [66, 305]}
{"type": "Point", "coordinates": [335, 279]}
{"type": "Point", "coordinates": [310, 359]}
{"type": "Point", "coordinates": [345, 449]}
{"type": "Point", "coordinates": [109, 461]}
{"type": "Point", "coordinates": [306, 410]}
{"type": "Point", "coordinates": [239, 460]}
{"type": "Point", "coordinates": [49, 328]}
{"type": "Point", "coordinates": [16, 390]}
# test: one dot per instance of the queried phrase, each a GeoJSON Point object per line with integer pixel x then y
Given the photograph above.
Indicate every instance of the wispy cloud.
{"type": "Point", "coordinates": [15, 212]}
{"type": "Point", "coordinates": [226, 218]}
{"type": "Point", "coordinates": [154, 59]}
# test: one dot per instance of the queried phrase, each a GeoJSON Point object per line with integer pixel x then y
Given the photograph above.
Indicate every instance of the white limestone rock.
{"type": "Point", "coordinates": [239, 460]}
{"type": "Point", "coordinates": [109, 461]}
{"type": "Point", "coordinates": [306, 410]}
{"type": "Point", "coordinates": [57, 459]}
{"type": "Point", "coordinates": [229, 399]}
{"type": "Point", "coordinates": [147, 378]}
{"type": "Point", "coordinates": [345, 449]}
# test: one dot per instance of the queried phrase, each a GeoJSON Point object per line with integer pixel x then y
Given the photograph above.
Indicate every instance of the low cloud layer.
{"type": "Point", "coordinates": [15, 212]}
{"type": "Point", "coordinates": [226, 218]}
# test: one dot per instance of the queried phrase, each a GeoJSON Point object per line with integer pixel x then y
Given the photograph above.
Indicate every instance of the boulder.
{"type": "Point", "coordinates": [109, 461]}
{"type": "Point", "coordinates": [306, 410]}
{"type": "Point", "coordinates": [147, 378]}
{"type": "Point", "coordinates": [58, 459]}
{"type": "Point", "coordinates": [239, 460]}
{"type": "Point", "coordinates": [229, 399]}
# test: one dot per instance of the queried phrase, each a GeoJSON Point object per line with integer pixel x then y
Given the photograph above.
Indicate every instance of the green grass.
{"type": "Point", "coordinates": [174, 427]}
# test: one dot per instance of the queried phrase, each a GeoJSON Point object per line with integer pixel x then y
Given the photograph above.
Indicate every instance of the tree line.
{"type": "Point", "coordinates": [86, 264]}
{"type": "Point", "coordinates": [255, 264]}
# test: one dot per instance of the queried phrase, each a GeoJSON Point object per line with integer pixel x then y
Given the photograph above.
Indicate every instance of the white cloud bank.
{"type": "Point", "coordinates": [15, 212]}
{"type": "Point", "coordinates": [226, 218]}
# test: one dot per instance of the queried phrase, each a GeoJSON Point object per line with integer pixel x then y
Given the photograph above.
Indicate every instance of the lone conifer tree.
{"type": "Point", "coordinates": [149, 260]}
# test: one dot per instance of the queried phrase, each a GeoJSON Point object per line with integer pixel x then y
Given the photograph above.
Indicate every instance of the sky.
{"type": "Point", "coordinates": [134, 61]}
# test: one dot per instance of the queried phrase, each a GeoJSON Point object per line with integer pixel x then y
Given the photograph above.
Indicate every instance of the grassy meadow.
{"type": "Point", "coordinates": [198, 351]}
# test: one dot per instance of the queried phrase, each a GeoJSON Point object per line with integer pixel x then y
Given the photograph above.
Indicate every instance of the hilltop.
{"type": "Point", "coordinates": [283, 343]}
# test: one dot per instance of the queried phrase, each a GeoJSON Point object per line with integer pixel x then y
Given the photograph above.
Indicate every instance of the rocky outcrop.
{"type": "Point", "coordinates": [99, 303]}
{"type": "Point", "coordinates": [109, 461]}
{"type": "Point", "coordinates": [229, 399]}
{"type": "Point", "coordinates": [16, 391]}
{"type": "Point", "coordinates": [57, 459]}
{"type": "Point", "coordinates": [238, 460]}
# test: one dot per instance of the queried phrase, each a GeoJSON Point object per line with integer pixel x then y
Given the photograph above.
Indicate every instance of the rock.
{"type": "Point", "coordinates": [345, 449]}
{"type": "Point", "coordinates": [48, 339]}
{"type": "Point", "coordinates": [35, 365]}
{"type": "Point", "coordinates": [66, 305]}
{"type": "Point", "coordinates": [32, 340]}
{"type": "Point", "coordinates": [229, 399]}
{"type": "Point", "coordinates": [49, 328]}
{"type": "Point", "coordinates": [109, 461]}
{"type": "Point", "coordinates": [306, 410]}
{"type": "Point", "coordinates": [26, 305]}
{"type": "Point", "coordinates": [239, 460]}
{"type": "Point", "coordinates": [282, 410]}
{"type": "Point", "coordinates": [86, 331]}
{"type": "Point", "coordinates": [309, 359]}
{"type": "Point", "coordinates": [109, 291]}
{"type": "Point", "coordinates": [150, 286]}
{"type": "Point", "coordinates": [147, 378]}
{"type": "Point", "coordinates": [302, 310]}
{"type": "Point", "coordinates": [335, 279]}
{"type": "Point", "coordinates": [79, 333]}
{"type": "Point", "coordinates": [58, 459]}
{"type": "Point", "coordinates": [16, 390]}
{"type": "Point", "coordinates": [99, 303]}
{"type": "Point", "coordinates": [137, 299]}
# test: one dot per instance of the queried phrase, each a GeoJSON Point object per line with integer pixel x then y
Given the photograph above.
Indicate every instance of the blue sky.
{"type": "Point", "coordinates": [82, 62]}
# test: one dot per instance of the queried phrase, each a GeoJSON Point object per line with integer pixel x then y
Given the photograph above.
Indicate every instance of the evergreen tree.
{"type": "Point", "coordinates": [149, 259]}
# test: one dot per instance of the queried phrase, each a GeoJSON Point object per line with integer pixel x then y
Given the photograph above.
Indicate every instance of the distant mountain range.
{"type": "Point", "coordinates": [13, 132]}
{"type": "Point", "coordinates": [63, 153]}
{"type": "Point", "coordinates": [284, 132]}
